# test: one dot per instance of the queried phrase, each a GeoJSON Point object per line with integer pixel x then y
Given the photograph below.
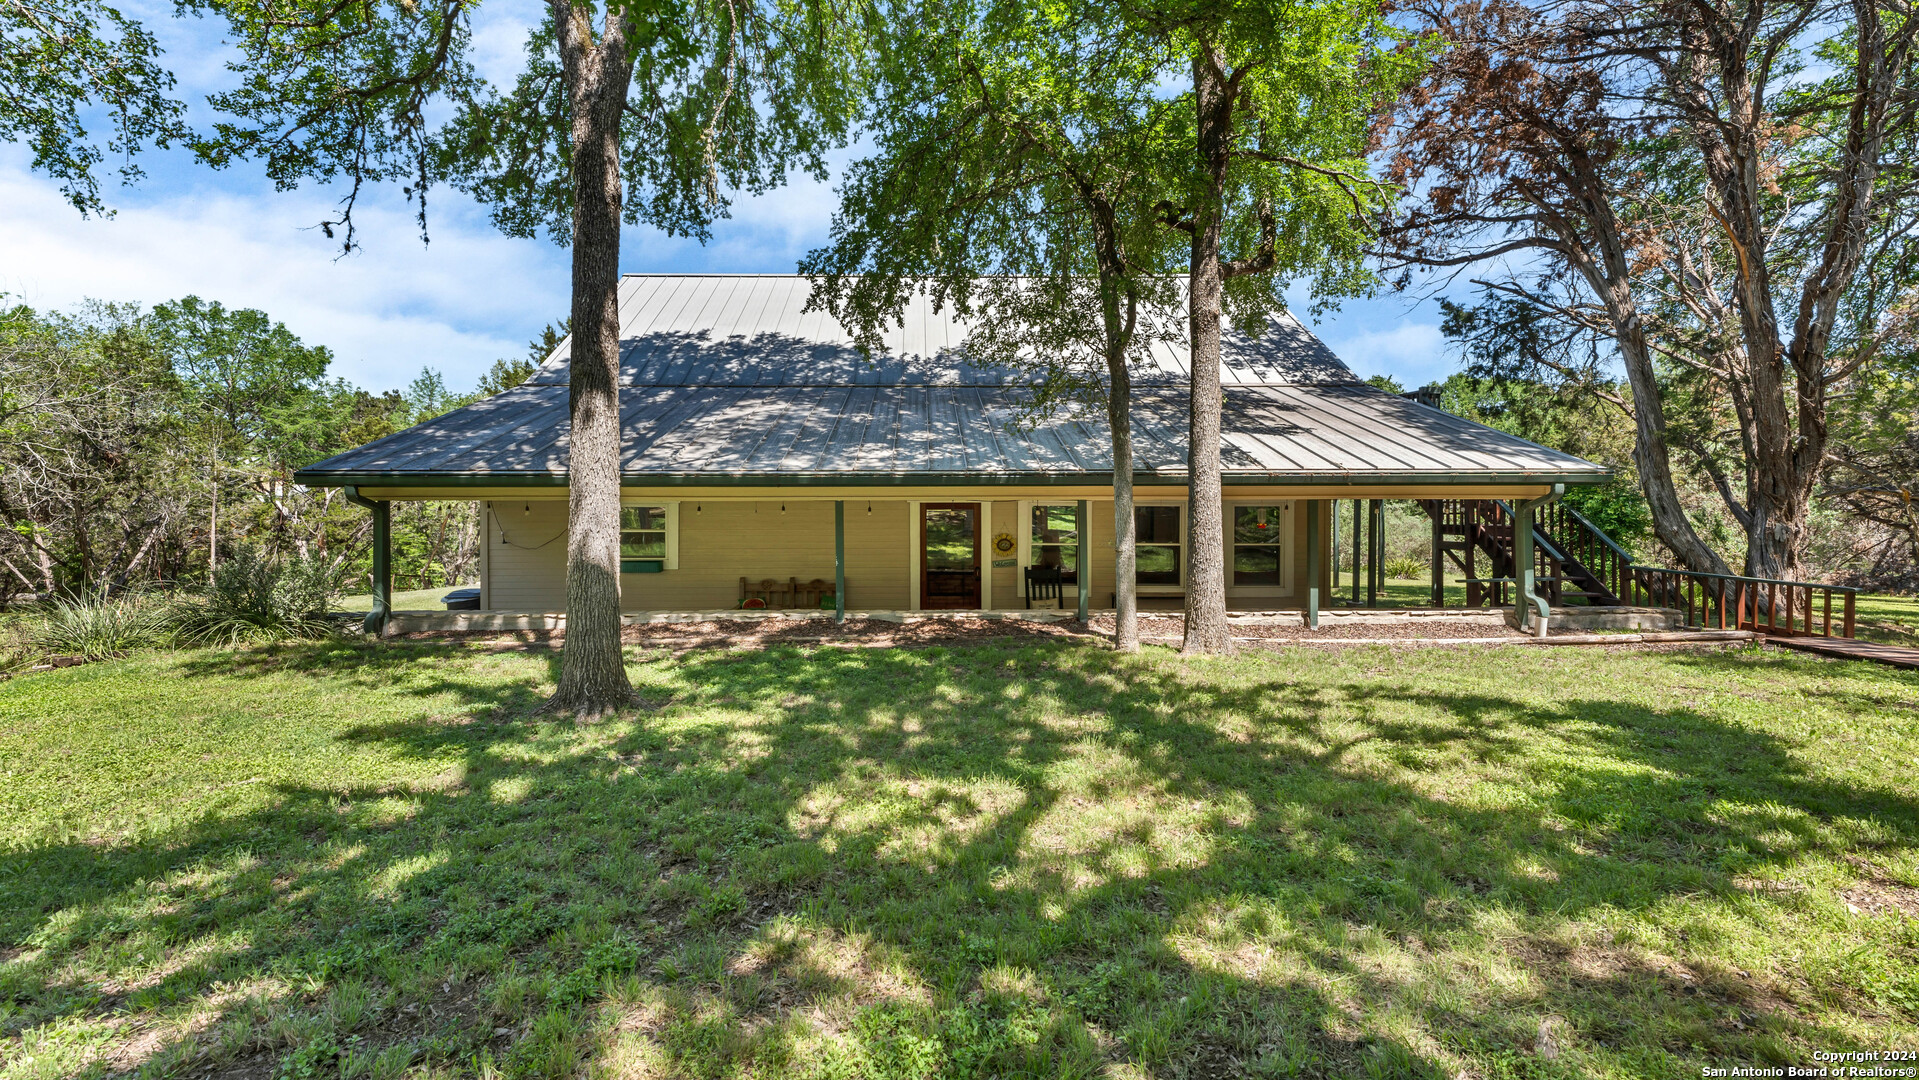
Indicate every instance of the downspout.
{"type": "Point", "coordinates": [1524, 575]}
{"type": "Point", "coordinates": [376, 618]}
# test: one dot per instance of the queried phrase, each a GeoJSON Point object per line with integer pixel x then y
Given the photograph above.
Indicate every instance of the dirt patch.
{"type": "Point", "coordinates": [1878, 894]}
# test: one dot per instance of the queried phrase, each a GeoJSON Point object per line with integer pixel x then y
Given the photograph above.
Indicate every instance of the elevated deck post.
{"type": "Point", "coordinates": [839, 560]}
{"type": "Point", "coordinates": [1082, 566]}
{"type": "Point", "coordinates": [1439, 554]}
{"type": "Point", "coordinates": [1312, 563]}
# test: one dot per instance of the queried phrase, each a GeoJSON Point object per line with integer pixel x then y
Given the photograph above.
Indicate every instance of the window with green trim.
{"type": "Point", "coordinates": [642, 532]}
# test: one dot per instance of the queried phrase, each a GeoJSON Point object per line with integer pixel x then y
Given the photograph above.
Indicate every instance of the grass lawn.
{"type": "Point", "coordinates": [1007, 859]}
{"type": "Point", "coordinates": [403, 599]}
{"type": "Point", "coordinates": [1893, 619]}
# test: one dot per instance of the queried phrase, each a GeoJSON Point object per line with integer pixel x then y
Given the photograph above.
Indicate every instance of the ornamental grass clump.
{"type": "Point", "coordinates": [256, 598]}
{"type": "Point", "coordinates": [95, 627]}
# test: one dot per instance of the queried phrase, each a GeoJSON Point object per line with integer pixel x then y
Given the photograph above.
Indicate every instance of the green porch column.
{"type": "Point", "coordinates": [1312, 563]}
{"type": "Point", "coordinates": [839, 560]}
{"type": "Point", "coordinates": [1523, 560]}
{"type": "Point", "coordinates": [1082, 566]}
{"type": "Point", "coordinates": [1375, 529]}
{"type": "Point", "coordinates": [382, 568]}
{"type": "Point", "coordinates": [1357, 504]}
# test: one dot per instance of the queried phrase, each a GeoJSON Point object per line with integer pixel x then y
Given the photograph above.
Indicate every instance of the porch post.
{"type": "Point", "coordinates": [839, 560]}
{"type": "Point", "coordinates": [1439, 554]}
{"type": "Point", "coordinates": [1357, 504]}
{"type": "Point", "coordinates": [1083, 567]}
{"type": "Point", "coordinates": [1374, 520]}
{"type": "Point", "coordinates": [1523, 559]}
{"type": "Point", "coordinates": [1312, 563]}
{"type": "Point", "coordinates": [382, 568]}
{"type": "Point", "coordinates": [1332, 513]}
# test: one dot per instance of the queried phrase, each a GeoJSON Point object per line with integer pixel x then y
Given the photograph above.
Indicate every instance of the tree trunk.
{"type": "Point", "coordinates": [1205, 537]}
{"type": "Point", "coordinates": [593, 678]}
{"type": "Point", "coordinates": [213, 511]}
{"type": "Point", "coordinates": [1119, 402]}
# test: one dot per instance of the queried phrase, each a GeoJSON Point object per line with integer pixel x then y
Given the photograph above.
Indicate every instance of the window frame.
{"type": "Point", "coordinates": [1184, 562]}
{"type": "Point", "coordinates": [671, 561]}
{"type": "Point", "coordinates": [1288, 538]}
{"type": "Point", "coordinates": [1029, 549]}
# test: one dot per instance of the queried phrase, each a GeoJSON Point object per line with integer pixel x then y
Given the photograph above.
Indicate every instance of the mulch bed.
{"type": "Point", "coordinates": [741, 633]}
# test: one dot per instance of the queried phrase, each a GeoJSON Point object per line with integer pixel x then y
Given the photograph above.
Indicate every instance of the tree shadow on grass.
{"type": "Point", "coordinates": [1007, 857]}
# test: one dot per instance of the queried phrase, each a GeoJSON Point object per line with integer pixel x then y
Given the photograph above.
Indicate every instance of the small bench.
{"type": "Point", "coordinates": [791, 593]}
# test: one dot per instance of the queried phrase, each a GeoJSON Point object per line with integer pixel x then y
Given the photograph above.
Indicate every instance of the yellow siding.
{"type": "Point", "coordinates": [1006, 583]}
{"type": "Point", "coordinates": [722, 542]}
{"type": "Point", "coordinates": [526, 555]}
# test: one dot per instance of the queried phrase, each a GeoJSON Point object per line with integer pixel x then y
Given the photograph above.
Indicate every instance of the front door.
{"type": "Point", "coordinates": [949, 555]}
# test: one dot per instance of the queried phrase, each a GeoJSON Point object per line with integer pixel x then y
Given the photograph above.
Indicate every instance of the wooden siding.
{"type": "Point", "coordinates": [722, 542]}
{"type": "Point", "coordinates": [525, 565]}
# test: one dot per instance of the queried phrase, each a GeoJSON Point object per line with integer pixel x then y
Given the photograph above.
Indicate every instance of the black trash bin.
{"type": "Point", "coordinates": [462, 600]}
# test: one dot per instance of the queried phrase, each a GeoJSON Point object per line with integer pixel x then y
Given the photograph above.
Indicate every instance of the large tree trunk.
{"type": "Point", "coordinates": [1205, 556]}
{"type": "Point", "coordinates": [592, 671]}
{"type": "Point", "coordinates": [1119, 404]}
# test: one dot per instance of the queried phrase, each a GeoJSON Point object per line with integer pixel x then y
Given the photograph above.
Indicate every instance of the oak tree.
{"type": "Point", "coordinates": [647, 111]}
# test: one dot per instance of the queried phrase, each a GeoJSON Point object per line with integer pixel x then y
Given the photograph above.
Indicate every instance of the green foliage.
{"type": "Point", "coordinates": [97, 627]}
{"type": "Point", "coordinates": [256, 597]}
{"type": "Point", "coordinates": [66, 63]}
{"type": "Point", "coordinates": [249, 375]}
{"type": "Point", "coordinates": [1617, 509]}
{"type": "Point", "coordinates": [504, 375]}
{"type": "Point", "coordinates": [1404, 567]}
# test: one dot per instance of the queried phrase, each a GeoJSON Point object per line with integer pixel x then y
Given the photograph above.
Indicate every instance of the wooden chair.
{"type": "Point", "coordinates": [1045, 583]}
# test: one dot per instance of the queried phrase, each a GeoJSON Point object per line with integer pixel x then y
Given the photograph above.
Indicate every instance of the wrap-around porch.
{"type": "Point", "coordinates": [950, 549]}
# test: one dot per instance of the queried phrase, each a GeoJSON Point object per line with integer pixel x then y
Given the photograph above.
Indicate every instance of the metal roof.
{"type": "Point", "coordinates": [725, 380]}
{"type": "Point", "coordinates": [754, 330]}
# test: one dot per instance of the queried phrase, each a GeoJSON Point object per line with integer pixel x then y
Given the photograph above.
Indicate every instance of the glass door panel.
{"type": "Point", "coordinates": [1257, 546]}
{"type": "Point", "coordinates": [949, 555]}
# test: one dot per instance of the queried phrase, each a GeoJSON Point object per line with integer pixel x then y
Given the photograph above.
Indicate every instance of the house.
{"type": "Point", "coordinates": [760, 444]}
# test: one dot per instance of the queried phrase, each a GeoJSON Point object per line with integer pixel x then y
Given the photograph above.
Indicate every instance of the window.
{"type": "Point", "coordinates": [1056, 539]}
{"type": "Point", "coordinates": [1256, 545]}
{"type": "Point", "coordinates": [642, 536]}
{"type": "Point", "coordinates": [1157, 542]}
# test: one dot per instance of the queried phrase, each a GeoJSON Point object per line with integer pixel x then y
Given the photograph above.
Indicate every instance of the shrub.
{"type": "Point", "coordinates": [255, 597]}
{"type": "Point", "coordinates": [1405, 566]}
{"type": "Point", "coordinates": [96, 627]}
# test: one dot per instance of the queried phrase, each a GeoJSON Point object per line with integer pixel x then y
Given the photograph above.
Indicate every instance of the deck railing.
{"type": "Point", "coordinates": [1732, 602]}
{"type": "Point", "coordinates": [1562, 538]}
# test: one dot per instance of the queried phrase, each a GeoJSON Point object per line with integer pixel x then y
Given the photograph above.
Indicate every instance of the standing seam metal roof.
{"type": "Point", "coordinates": [729, 379]}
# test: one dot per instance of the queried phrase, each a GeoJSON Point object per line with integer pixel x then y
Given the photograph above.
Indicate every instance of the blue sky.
{"type": "Point", "coordinates": [470, 296]}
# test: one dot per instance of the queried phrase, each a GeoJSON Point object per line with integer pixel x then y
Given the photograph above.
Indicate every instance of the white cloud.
{"type": "Point", "coordinates": [456, 305]}
{"type": "Point", "coordinates": [1412, 352]}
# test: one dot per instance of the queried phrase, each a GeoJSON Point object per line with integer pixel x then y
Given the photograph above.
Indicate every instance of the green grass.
{"type": "Point", "coordinates": [403, 600]}
{"type": "Point", "coordinates": [1037, 859]}
{"type": "Point", "coordinates": [1891, 619]}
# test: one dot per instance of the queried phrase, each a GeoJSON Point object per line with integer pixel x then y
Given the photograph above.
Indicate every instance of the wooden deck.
{"type": "Point", "coordinates": [1899, 656]}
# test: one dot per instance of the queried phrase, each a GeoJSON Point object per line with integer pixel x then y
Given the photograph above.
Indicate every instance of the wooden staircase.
{"type": "Point", "coordinates": [1575, 562]}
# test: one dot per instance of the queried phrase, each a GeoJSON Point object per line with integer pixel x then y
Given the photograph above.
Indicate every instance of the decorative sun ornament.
{"type": "Point", "coordinates": [1003, 544]}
